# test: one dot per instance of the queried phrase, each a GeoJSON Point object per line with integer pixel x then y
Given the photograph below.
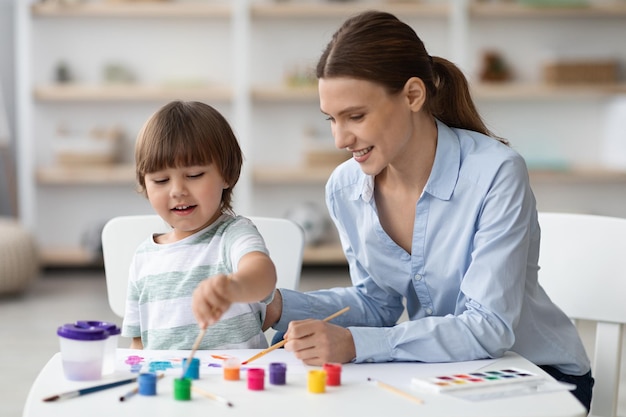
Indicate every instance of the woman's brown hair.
{"type": "Point", "coordinates": [376, 46]}
{"type": "Point", "coordinates": [189, 133]}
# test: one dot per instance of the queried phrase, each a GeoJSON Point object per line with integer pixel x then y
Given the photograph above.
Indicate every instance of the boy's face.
{"type": "Point", "coordinates": [187, 198]}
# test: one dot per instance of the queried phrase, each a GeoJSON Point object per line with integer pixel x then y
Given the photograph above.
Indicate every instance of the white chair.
{"type": "Point", "coordinates": [583, 270]}
{"type": "Point", "coordinates": [121, 236]}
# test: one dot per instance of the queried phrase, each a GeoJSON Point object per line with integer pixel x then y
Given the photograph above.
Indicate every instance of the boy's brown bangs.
{"type": "Point", "coordinates": [175, 152]}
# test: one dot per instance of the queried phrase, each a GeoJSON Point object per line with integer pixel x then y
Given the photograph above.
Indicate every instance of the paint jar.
{"type": "Point", "coordinates": [147, 383]}
{"type": "Point", "coordinates": [317, 381]}
{"type": "Point", "coordinates": [82, 351]}
{"type": "Point", "coordinates": [231, 367]}
{"type": "Point", "coordinates": [108, 367]}
{"type": "Point", "coordinates": [256, 379]}
{"type": "Point", "coordinates": [192, 371]}
{"type": "Point", "coordinates": [182, 389]}
{"type": "Point", "coordinates": [333, 374]}
{"type": "Point", "coordinates": [278, 371]}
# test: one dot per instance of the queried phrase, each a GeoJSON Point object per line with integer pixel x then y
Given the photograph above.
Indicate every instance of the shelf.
{"type": "Point", "coordinates": [579, 175]}
{"type": "Point", "coordinates": [483, 91]}
{"type": "Point", "coordinates": [535, 91]}
{"type": "Point", "coordinates": [341, 10]}
{"type": "Point", "coordinates": [68, 257]}
{"type": "Point", "coordinates": [145, 9]}
{"type": "Point", "coordinates": [512, 10]}
{"type": "Point", "coordinates": [330, 254]}
{"type": "Point", "coordinates": [290, 175]}
{"type": "Point", "coordinates": [129, 92]}
{"type": "Point", "coordinates": [490, 91]}
{"type": "Point", "coordinates": [86, 175]}
{"type": "Point", "coordinates": [284, 93]}
{"type": "Point", "coordinates": [319, 175]}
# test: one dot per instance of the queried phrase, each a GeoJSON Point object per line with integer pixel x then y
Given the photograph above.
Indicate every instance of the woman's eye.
{"type": "Point", "coordinates": [356, 117]}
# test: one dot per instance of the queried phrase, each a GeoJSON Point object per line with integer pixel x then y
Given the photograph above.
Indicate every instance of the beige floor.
{"type": "Point", "coordinates": [28, 324]}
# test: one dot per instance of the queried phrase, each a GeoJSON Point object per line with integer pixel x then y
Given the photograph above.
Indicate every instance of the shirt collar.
{"type": "Point", "coordinates": [445, 171]}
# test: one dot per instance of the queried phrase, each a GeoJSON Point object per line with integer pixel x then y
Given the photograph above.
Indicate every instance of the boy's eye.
{"type": "Point", "coordinates": [160, 180]}
{"type": "Point", "coordinates": [198, 175]}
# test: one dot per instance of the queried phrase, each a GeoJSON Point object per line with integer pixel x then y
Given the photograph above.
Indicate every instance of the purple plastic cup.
{"type": "Point", "coordinates": [82, 351]}
{"type": "Point", "coordinates": [110, 350]}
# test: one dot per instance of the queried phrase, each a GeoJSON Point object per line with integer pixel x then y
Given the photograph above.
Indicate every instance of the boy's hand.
{"type": "Point", "coordinates": [211, 298]}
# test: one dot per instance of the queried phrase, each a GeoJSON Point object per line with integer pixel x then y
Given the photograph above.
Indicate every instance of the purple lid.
{"type": "Point", "coordinates": [111, 328]}
{"type": "Point", "coordinates": [72, 331]}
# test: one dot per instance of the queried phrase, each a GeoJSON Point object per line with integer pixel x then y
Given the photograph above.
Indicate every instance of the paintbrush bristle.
{"type": "Point", "coordinates": [51, 398]}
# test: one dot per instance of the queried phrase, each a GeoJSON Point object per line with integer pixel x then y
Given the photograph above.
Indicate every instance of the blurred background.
{"type": "Point", "coordinates": [79, 77]}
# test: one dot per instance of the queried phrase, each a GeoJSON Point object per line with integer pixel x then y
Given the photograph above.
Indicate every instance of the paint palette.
{"type": "Point", "coordinates": [479, 379]}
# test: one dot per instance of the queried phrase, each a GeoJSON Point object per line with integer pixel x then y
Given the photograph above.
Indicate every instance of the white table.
{"type": "Point", "coordinates": [355, 396]}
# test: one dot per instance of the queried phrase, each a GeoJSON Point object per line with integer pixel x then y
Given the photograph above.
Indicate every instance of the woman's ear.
{"type": "Point", "coordinates": [415, 92]}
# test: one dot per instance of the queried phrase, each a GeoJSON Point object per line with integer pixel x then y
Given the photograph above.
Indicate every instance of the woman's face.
{"type": "Point", "coordinates": [368, 122]}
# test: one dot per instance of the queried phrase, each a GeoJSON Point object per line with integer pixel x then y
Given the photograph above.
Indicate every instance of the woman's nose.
{"type": "Point", "coordinates": [343, 137]}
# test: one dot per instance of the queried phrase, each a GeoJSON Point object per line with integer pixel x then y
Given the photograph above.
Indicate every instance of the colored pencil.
{"type": "Point", "coordinates": [211, 396]}
{"type": "Point", "coordinates": [85, 391]}
{"type": "Point", "coordinates": [136, 390]}
{"type": "Point", "coordinates": [398, 391]}
{"type": "Point", "coordinates": [193, 351]}
{"type": "Point", "coordinates": [282, 342]}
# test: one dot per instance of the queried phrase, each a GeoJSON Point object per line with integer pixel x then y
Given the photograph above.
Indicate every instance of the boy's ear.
{"type": "Point", "coordinates": [415, 92]}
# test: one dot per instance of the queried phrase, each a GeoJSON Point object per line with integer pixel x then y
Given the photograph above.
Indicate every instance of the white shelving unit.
{"type": "Point", "coordinates": [235, 54]}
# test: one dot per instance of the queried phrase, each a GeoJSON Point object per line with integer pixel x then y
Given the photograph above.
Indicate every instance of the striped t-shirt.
{"type": "Point", "coordinates": [162, 279]}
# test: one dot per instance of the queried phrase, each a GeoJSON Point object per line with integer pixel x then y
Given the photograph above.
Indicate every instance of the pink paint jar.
{"type": "Point", "coordinates": [256, 379]}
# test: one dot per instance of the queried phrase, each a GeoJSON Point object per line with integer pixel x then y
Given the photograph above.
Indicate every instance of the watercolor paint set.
{"type": "Point", "coordinates": [475, 380]}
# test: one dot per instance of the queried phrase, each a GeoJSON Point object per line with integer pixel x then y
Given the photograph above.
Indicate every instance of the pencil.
{"type": "Point", "coordinates": [282, 342]}
{"type": "Point", "coordinates": [85, 391]}
{"type": "Point", "coordinates": [212, 396]}
{"type": "Point", "coordinates": [193, 350]}
{"type": "Point", "coordinates": [398, 391]}
{"type": "Point", "coordinates": [136, 390]}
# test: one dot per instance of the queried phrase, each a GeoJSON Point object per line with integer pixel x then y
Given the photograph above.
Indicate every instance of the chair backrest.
{"type": "Point", "coordinates": [121, 236]}
{"type": "Point", "coordinates": [583, 270]}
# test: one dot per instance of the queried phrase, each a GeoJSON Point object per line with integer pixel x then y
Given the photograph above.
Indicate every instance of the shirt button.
{"type": "Point", "coordinates": [429, 311]}
{"type": "Point", "coordinates": [417, 277]}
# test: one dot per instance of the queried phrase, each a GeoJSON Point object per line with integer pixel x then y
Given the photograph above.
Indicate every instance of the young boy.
{"type": "Point", "coordinates": [212, 262]}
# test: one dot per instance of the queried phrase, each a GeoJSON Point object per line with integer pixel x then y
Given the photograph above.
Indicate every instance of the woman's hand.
{"type": "Point", "coordinates": [316, 342]}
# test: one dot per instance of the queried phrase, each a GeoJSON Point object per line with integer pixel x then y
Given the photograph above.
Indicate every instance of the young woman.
{"type": "Point", "coordinates": [212, 263]}
{"type": "Point", "coordinates": [434, 213]}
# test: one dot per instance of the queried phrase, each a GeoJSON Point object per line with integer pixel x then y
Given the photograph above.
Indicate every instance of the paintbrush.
{"type": "Point", "coordinates": [85, 391]}
{"type": "Point", "coordinates": [212, 396]}
{"type": "Point", "coordinates": [395, 390]}
{"type": "Point", "coordinates": [196, 344]}
{"type": "Point", "coordinates": [282, 342]}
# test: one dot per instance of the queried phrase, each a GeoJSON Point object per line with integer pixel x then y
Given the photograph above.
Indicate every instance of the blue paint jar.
{"type": "Point", "coordinates": [192, 371]}
{"type": "Point", "coordinates": [147, 383]}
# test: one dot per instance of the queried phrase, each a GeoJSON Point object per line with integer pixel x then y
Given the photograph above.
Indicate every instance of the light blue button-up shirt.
{"type": "Point", "coordinates": [470, 284]}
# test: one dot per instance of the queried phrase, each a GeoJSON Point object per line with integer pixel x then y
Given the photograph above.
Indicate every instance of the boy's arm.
{"type": "Point", "coordinates": [136, 343]}
{"type": "Point", "coordinates": [254, 281]}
